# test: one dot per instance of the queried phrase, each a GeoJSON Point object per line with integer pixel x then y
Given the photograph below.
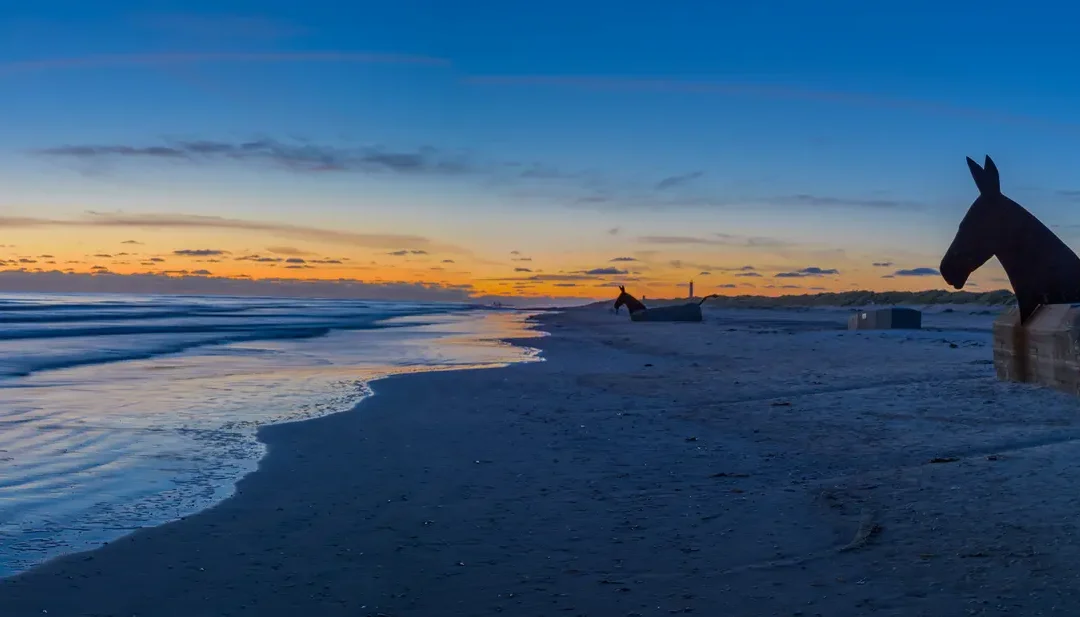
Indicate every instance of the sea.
{"type": "Point", "coordinates": [121, 412]}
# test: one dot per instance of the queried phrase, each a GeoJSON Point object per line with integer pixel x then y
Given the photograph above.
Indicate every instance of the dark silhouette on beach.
{"type": "Point", "coordinates": [632, 304]}
{"type": "Point", "coordinates": [1041, 268]}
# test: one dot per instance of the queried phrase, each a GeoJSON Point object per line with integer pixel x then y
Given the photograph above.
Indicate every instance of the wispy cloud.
{"type": "Point", "coordinates": [198, 252]}
{"type": "Point", "coordinates": [624, 259]}
{"type": "Point", "coordinates": [917, 272]}
{"type": "Point", "coordinates": [768, 91]}
{"type": "Point", "coordinates": [191, 221]}
{"type": "Point", "coordinates": [203, 282]}
{"type": "Point", "coordinates": [883, 264]}
{"type": "Point", "coordinates": [844, 202]}
{"type": "Point", "coordinates": [403, 252]}
{"type": "Point", "coordinates": [719, 239]}
{"type": "Point", "coordinates": [179, 59]}
{"type": "Point", "coordinates": [671, 182]}
{"type": "Point", "coordinates": [808, 271]}
{"type": "Point", "coordinates": [603, 271]}
{"type": "Point", "coordinates": [219, 27]}
{"type": "Point", "coordinates": [298, 156]}
{"type": "Point", "coordinates": [288, 250]}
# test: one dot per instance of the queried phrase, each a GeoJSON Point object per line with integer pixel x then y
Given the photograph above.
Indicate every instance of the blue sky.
{"type": "Point", "coordinates": [832, 126]}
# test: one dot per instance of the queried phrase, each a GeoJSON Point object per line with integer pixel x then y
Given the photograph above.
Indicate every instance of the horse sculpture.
{"type": "Point", "coordinates": [690, 311]}
{"type": "Point", "coordinates": [1041, 268]}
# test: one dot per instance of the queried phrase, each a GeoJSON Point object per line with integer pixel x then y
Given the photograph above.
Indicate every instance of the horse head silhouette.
{"type": "Point", "coordinates": [1040, 267]}
{"type": "Point", "coordinates": [632, 304]}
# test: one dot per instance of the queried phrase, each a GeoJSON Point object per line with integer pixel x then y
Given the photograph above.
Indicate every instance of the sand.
{"type": "Point", "coordinates": [761, 463]}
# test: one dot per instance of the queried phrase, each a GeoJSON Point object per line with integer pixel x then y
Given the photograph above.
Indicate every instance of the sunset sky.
{"type": "Point", "coordinates": [455, 150]}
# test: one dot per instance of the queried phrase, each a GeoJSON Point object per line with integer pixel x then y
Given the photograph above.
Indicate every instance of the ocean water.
{"type": "Point", "coordinates": [120, 412]}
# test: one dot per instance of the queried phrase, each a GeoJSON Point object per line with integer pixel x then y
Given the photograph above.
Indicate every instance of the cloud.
{"type": "Point", "coordinates": [131, 242]}
{"type": "Point", "coordinates": [781, 92]}
{"type": "Point", "coordinates": [521, 259]}
{"type": "Point", "coordinates": [191, 221]}
{"type": "Point", "coordinates": [403, 252]}
{"type": "Point", "coordinates": [522, 270]}
{"type": "Point", "coordinates": [808, 271]}
{"type": "Point", "coordinates": [624, 259]}
{"type": "Point", "coordinates": [260, 259]}
{"type": "Point", "coordinates": [515, 252]}
{"type": "Point", "coordinates": [227, 27]}
{"type": "Point", "coordinates": [298, 157]}
{"type": "Point", "coordinates": [675, 240]}
{"type": "Point", "coordinates": [181, 59]}
{"type": "Point", "coordinates": [295, 260]}
{"type": "Point", "coordinates": [184, 282]}
{"type": "Point", "coordinates": [614, 231]}
{"type": "Point", "coordinates": [200, 252]}
{"type": "Point", "coordinates": [593, 199]}
{"type": "Point", "coordinates": [676, 181]}
{"type": "Point", "coordinates": [1068, 194]}
{"type": "Point", "coordinates": [748, 274]}
{"type": "Point", "coordinates": [288, 250]}
{"type": "Point", "coordinates": [728, 286]}
{"type": "Point", "coordinates": [918, 272]}
{"type": "Point", "coordinates": [719, 239]}
{"type": "Point", "coordinates": [604, 271]}
{"type": "Point", "coordinates": [883, 264]}
{"type": "Point", "coordinates": [704, 273]}
{"type": "Point", "coordinates": [845, 202]}
{"type": "Point", "coordinates": [448, 261]}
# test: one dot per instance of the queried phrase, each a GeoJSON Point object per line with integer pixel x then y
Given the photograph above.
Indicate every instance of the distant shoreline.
{"type": "Point", "coordinates": [859, 298]}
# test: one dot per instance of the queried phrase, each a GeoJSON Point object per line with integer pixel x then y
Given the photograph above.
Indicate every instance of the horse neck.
{"type": "Point", "coordinates": [1041, 268]}
{"type": "Point", "coordinates": [633, 304]}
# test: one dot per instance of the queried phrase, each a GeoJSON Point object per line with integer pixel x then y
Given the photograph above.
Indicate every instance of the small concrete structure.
{"type": "Point", "coordinates": [678, 312]}
{"type": "Point", "coordinates": [1044, 351]}
{"type": "Point", "coordinates": [886, 319]}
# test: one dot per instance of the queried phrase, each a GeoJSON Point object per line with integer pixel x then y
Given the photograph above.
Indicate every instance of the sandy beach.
{"type": "Point", "coordinates": [761, 463]}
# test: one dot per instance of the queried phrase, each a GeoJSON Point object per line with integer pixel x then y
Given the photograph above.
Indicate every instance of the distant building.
{"type": "Point", "coordinates": [691, 290]}
{"type": "Point", "coordinates": [886, 319]}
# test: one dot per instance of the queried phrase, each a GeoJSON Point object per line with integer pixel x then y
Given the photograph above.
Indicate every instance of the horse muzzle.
{"type": "Point", "coordinates": [955, 278]}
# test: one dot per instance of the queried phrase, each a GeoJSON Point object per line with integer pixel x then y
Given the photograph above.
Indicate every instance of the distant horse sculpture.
{"type": "Point", "coordinates": [690, 311]}
{"type": "Point", "coordinates": [1041, 268]}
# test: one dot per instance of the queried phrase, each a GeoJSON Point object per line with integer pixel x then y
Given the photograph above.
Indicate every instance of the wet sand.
{"type": "Point", "coordinates": [757, 464]}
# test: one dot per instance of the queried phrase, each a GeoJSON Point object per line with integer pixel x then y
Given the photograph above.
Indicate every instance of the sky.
{"type": "Point", "coordinates": [474, 150]}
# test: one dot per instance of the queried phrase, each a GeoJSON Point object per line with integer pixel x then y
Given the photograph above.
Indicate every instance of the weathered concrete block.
{"type": "Point", "coordinates": [1045, 351]}
{"type": "Point", "coordinates": [690, 311]}
{"type": "Point", "coordinates": [886, 319]}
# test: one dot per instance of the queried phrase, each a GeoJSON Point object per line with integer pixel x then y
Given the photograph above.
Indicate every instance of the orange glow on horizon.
{"type": "Point", "coordinates": [592, 274]}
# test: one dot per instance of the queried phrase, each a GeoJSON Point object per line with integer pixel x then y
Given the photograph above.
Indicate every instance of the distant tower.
{"type": "Point", "coordinates": [691, 289]}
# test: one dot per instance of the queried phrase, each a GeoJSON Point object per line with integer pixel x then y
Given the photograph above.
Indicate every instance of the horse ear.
{"type": "Point", "coordinates": [976, 173]}
{"type": "Point", "coordinates": [622, 289]}
{"type": "Point", "coordinates": [990, 177]}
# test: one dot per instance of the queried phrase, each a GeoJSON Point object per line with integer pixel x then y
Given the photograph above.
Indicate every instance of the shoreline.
{"type": "Point", "coordinates": [278, 441]}
{"type": "Point", "coordinates": [652, 471]}
{"type": "Point", "coordinates": [34, 541]}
